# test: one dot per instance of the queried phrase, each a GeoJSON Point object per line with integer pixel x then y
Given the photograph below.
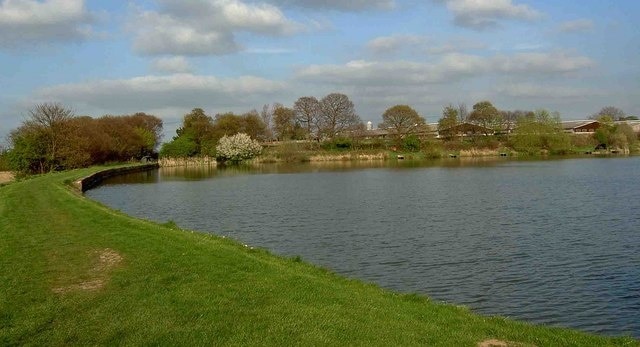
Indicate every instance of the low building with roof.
{"type": "Point", "coordinates": [465, 129]}
{"type": "Point", "coordinates": [580, 126]}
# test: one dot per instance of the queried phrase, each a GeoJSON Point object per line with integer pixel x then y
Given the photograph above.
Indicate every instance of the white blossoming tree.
{"type": "Point", "coordinates": [237, 148]}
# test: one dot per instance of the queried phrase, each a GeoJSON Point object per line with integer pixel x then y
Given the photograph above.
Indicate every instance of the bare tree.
{"type": "Point", "coordinates": [611, 112]}
{"type": "Point", "coordinates": [52, 118]}
{"type": "Point", "coordinates": [463, 113]}
{"type": "Point", "coordinates": [267, 114]}
{"type": "Point", "coordinates": [338, 114]}
{"type": "Point", "coordinates": [308, 111]}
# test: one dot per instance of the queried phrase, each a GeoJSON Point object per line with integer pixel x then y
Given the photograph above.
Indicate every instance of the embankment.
{"type": "Point", "coordinates": [193, 161]}
{"type": "Point", "coordinates": [95, 179]}
{"type": "Point", "coordinates": [75, 272]}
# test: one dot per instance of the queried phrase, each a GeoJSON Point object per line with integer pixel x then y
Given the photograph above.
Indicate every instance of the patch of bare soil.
{"type": "Point", "coordinates": [107, 259]}
{"type": "Point", "coordinates": [6, 176]}
{"type": "Point", "coordinates": [499, 343]}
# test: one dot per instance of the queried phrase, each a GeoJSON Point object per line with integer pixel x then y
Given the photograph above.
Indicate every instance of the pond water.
{"type": "Point", "coordinates": [554, 242]}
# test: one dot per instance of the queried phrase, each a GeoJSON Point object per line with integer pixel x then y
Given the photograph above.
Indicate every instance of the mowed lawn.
{"type": "Point", "coordinates": [75, 272]}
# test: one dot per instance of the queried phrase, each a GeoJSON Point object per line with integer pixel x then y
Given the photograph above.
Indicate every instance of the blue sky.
{"type": "Point", "coordinates": [166, 57]}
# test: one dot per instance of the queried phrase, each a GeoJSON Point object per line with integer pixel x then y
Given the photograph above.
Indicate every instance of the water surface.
{"type": "Point", "coordinates": [554, 242]}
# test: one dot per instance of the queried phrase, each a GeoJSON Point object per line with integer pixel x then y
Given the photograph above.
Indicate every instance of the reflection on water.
{"type": "Point", "coordinates": [191, 173]}
{"type": "Point", "coordinates": [555, 242]}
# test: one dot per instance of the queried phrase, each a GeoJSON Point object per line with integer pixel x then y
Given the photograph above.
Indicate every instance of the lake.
{"type": "Point", "coordinates": [554, 242]}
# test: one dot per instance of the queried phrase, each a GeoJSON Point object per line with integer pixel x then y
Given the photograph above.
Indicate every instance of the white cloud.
{"type": "Point", "coordinates": [204, 27]}
{"type": "Point", "coordinates": [257, 50]}
{"type": "Point", "coordinates": [389, 44]}
{"type": "Point", "coordinates": [450, 68]}
{"type": "Point", "coordinates": [546, 91]}
{"type": "Point", "coordinates": [534, 63]}
{"type": "Point", "coordinates": [28, 21]}
{"type": "Point", "coordinates": [579, 25]}
{"type": "Point", "coordinates": [171, 64]}
{"type": "Point", "coordinates": [340, 5]}
{"type": "Point", "coordinates": [482, 14]}
{"type": "Point", "coordinates": [157, 92]}
{"type": "Point", "coordinates": [394, 44]}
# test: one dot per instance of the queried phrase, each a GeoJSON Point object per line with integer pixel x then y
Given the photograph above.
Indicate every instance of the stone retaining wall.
{"type": "Point", "coordinates": [94, 180]}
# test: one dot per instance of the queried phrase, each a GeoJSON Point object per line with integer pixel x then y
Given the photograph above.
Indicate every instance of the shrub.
{"type": "Point", "coordinates": [180, 147]}
{"type": "Point", "coordinates": [237, 148]}
{"type": "Point", "coordinates": [411, 143]}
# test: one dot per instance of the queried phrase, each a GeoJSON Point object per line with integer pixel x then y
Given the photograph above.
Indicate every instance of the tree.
{"type": "Point", "coordinates": [402, 120]}
{"type": "Point", "coordinates": [237, 148]}
{"type": "Point", "coordinates": [463, 113]}
{"type": "Point", "coordinates": [487, 116]}
{"type": "Point", "coordinates": [284, 123]}
{"type": "Point", "coordinates": [29, 153]}
{"type": "Point", "coordinates": [510, 119]}
{"type": "Point", "coordinates": [337, 115]}
{"type": "Point", "coordinates": [266, 115]}
{"type": "Point", "coordinates": [540, 130]}
{"type": "Point", "coordinates": [450, 119]}
{"type": "Point", "coordinates": [180, 147]}
{"type": "Point", "coordinates": [308, 113]}
{"type": "Point", "coordinates": [52, 119]}
{"type": "Point", "coordinates": [614, 113]}
{"type": "Point", "coordinates": [615, 135]}
{"type": "Point", "coordinates": [253, 126]}
{"type": "Point", "coordinates": [198, 126]}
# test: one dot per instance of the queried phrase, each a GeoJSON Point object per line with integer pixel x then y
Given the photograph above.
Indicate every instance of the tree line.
{"type": "Point", "coordinates": [54, 138]}
{"type": "Point", "coordinates": [533, 131]}
{"type": "Point", "coordinates": [308, 119]}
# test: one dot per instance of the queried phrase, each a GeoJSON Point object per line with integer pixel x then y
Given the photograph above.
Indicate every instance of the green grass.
{"type": "Point", "coordinates": [162, 285]}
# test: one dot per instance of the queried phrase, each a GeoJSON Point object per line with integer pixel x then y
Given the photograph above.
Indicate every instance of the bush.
{"type": "Point", "coordinates": [340, 143]}
{"type": "Point", "coordinates": [4, 160]}
{"type": "Point", "coordinates": [237, 148]}
{"type": "Point", "coordinates": [411, 143]}
{"type": "Point", "coordinates": [180, 147]}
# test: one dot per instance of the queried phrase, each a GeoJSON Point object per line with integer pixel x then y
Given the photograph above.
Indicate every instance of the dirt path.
{"type": "Point", "coordinates": [5, 176]}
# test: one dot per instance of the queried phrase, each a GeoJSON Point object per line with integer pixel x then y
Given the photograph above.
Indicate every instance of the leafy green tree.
{"type": "Point", "coordinates": [487, 116]}
{"type": "Point", "coordinates": [540, 130]}
{"type": "Point", "coordinates": [181, 147]}
{"type": "Point", "coordinates": [199, 126]}
{"type": "Point", "coordinates": [29, 153]}
{"type": "Point", "coordinates": [4, 159]}
{"type": "Point", "coordinates": [411, 143]}
{"type": "Point", "coordinates": [402, 120]}
{"type": "Point", "coordinates": [196, 136]}
{"type": "Point", "coordinates": [449, 120]}
{"type": "Point", "coordinates": [615, 135]}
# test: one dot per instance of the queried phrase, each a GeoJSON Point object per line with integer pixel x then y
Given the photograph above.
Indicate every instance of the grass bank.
{"type": "Point", "coordinates": [75, 272]}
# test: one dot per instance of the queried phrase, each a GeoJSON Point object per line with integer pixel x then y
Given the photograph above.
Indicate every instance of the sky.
{"type": "Point", "coordinates": [166, 57]}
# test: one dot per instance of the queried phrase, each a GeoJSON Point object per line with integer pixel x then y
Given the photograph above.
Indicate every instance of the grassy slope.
{"type": "Point", "coordinates": [177, 287]}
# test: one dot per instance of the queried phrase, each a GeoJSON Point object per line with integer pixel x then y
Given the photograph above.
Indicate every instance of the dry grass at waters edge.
{"type": "Point", "coordinates": [74, 272]}
{"type": "Point", "coordinates": [6, 176]}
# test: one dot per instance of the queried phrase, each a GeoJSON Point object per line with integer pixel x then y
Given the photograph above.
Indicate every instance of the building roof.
{"type": "Point", "coordinates": [573, 124]}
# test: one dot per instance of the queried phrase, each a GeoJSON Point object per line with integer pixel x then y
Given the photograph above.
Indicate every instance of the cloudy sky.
{"type": "Point", "coordinates": [166, 57]}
